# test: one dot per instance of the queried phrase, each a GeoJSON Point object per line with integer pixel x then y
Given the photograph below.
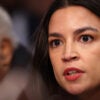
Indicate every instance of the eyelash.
{"type": "Point", "coordinates": [88, 38]}
{"type": "Point", "coordinates": [55, 43]}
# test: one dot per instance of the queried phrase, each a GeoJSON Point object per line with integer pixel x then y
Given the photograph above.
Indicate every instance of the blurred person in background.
{"type": "Point", "coordinates": [19, 19]}
{"type": "Point", "coordinates": [14, 76]}
{"type": "Point", "coordinates": [26, 16]}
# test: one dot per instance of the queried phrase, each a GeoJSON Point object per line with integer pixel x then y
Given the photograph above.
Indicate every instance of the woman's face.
{"type": "Point", "coordinates": [6, 54]}
{"type": "Point", "coordinates": [74, 48]}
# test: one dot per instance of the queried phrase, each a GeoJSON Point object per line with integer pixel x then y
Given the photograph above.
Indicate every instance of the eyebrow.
{"type": "Point", "coordinates": [55, 35]}
{"type": "Point", "coordinates": [78, 31]}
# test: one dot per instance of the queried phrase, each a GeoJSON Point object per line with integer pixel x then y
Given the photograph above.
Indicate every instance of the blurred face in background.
{"type": "Point", "coordinates": [6, 54]}
{"type": "Point", "coordinates": [74, 49]}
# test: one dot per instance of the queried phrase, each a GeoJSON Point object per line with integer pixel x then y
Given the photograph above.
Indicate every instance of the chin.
{"type": "Point", "coordinates": [75, 91]}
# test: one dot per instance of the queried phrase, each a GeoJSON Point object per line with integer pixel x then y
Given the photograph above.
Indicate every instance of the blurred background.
{"type": "Point", "coordinates": [26, 16]}
{"type": "Point", "coordinates": [15, 70]}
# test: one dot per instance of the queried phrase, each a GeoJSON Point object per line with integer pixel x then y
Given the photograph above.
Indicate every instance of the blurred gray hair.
{"type": "Point", "coordinates": [6, 28]}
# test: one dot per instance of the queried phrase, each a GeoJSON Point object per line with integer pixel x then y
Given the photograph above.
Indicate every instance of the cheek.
{"type": "Point", "coordinates": [94, 56]}
{"type": "Point", "coordinates": [6, 54]}
{"type": "Point", "coordinates": [54, 60]}
{"type": "Point", "coordinates": [56, 63]}
{"type": "Point", "coordinates": [55, 57]}
{"type": "Point", "coordinates": [90, 54]}
{"type": "Point", "coordinates": [96, 60]}
{"type": "Point", "coordinates": [92, 61]}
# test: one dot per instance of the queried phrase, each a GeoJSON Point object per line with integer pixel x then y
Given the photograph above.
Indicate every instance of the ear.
{"type": "Point", "coordinates": [6, 54]}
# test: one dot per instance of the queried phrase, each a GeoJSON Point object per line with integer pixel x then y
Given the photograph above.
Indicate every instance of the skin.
{"type": "Point", "coordinates": [74, 41]}
{"type": "Point", "coordinates": [6, 54]}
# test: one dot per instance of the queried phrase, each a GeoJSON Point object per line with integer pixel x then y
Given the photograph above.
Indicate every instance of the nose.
{"type": "Point", "coordinates": [70, 53]}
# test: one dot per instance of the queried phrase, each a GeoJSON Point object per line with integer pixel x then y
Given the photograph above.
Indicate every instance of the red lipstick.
{"type": "Point", "coordinates": [72, 74]}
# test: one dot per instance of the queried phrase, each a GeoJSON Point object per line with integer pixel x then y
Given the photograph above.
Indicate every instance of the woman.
{"type": "Point", "coordinates": [14, 76]}
{"type": "Point", "coordinates": [67, 50]}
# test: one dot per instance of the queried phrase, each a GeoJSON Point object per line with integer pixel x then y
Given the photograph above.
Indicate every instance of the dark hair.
{"type": "Point", "coordinates": [41, 61]}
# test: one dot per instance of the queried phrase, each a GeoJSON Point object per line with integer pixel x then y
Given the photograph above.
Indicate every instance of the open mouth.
{"type": "Point", "coordinates": [72, 74]}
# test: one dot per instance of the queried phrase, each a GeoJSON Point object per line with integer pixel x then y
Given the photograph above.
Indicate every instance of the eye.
{"type": "Point", "coordinates": [86, 38]}
{"type": "Point", "coordinates": [55, 43]}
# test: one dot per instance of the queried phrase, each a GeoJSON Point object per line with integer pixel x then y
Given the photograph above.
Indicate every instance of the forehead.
{"type": "Point", "coordinates": [76, 16]}
{"type": "Point", "coordinates": [72, 11]}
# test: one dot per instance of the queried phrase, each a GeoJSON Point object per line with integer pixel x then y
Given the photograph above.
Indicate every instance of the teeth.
{"type": "Point", "coordinates": [72, 72]}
